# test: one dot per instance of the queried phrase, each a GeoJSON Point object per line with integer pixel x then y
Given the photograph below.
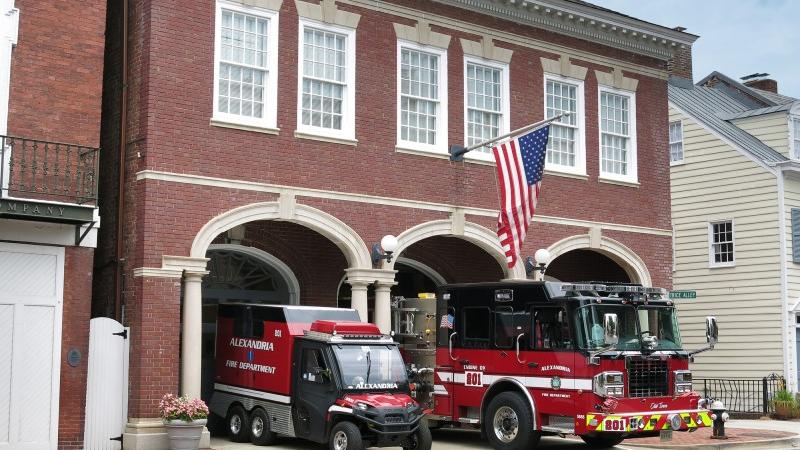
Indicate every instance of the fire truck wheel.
{"type": "Point", "coordinates": [346, 436]}
{"type": "Point", "coordinates": [421, 440]}
{"type": "Point", "coordinates": [238, 424]}
{"type": "Point", "coordinates": [260, 433]}
{"type": "Point", "coordinates": [507, 423]}
{"type": "Point", "coordinates": [602, 441]}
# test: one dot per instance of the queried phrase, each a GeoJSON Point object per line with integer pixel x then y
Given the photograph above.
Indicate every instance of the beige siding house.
{"type": "Point", "coordinates": [735, 180]}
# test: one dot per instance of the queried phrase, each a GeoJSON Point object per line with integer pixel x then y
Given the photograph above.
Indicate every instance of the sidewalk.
{"type": "Point", "coordinates": [742, 434]}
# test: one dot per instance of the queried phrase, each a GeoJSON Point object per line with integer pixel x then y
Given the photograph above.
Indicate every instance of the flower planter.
{"type": "Point", "coordinates": [784, 410]}
{"type": "Point", "coordinates": [184, 435]}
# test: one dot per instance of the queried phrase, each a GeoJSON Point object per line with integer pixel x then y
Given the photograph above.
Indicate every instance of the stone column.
{"type": "Point", "coordinates": [358, 298]}
{"type": "Point", "coordinates": [383, 311]}
{"type": "Point", "coordinates": [191, 333]}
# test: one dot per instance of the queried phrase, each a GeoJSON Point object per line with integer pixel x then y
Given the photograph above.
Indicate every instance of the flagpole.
{"type": "Point", "coordinates": [457, 152]}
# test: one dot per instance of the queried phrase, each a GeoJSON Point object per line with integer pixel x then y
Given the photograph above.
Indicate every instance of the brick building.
{"type": "Point", "coordinates": [270, 143]}
{"type": "Point", "coordinates": [51, 66]}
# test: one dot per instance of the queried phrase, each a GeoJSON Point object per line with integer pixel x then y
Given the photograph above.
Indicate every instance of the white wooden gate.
{"type": "Point", "coordinates": [31, 295]}
{"type": "Point", "coordinates": [106, 385]}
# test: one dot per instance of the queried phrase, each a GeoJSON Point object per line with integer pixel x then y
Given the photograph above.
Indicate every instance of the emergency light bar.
{"type": "Point", "coordinates": [613, 289]}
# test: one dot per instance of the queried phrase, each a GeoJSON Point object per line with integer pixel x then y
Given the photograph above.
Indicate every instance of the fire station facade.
{"type": "Point", "coordinates": [270, 143]}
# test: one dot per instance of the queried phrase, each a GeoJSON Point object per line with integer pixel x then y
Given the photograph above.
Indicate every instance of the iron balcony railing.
{"type": "Point", "coordinates": [50, 171]}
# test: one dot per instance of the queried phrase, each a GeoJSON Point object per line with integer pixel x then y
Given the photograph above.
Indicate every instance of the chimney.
{"type": "Point", "coordinates": [680, 65]}
{"type": "Point", "coordinates": [765, 84]}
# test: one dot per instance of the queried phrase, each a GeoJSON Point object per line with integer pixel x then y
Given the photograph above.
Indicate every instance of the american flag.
{"type": "Point", "coordinates": [520, 163]}
{"type": "Point", "coordinates": [447, 321]}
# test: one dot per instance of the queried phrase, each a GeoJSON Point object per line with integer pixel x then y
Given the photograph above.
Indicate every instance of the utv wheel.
{"type": "Point", "coordinates": [346, 436]}
{"type": "Point", "coordinates": [602, 441]}
{"type": "Point", "coordinates": [508, 423]}
{"type": "Point", "coordinates": [421, 439]}
{"type": "Point", "coordinates": [260, 432]}
{"type": "Point", "coordinates": [238, 424]}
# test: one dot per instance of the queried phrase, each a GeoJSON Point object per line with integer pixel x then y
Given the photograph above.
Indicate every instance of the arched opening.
{"type": "Point", "coordinates": [444, 259]}
{"type": "Point", "coordinates": [586, 265]}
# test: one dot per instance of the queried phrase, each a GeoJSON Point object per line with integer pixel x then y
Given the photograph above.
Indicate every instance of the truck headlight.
{"type": "Point", "coordinates": [607, 384]}
{"type": "Point", "coordinates": [683, 382]}
{"type": "Point", "coordinates": [362, 406]}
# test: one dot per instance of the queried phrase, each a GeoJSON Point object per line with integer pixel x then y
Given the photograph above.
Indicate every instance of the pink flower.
{"type": "Point", "coordinates": [172, 407]}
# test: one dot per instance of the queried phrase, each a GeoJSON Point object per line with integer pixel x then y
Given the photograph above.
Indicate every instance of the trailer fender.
{"type": "Point", "coordinates": [506, 384]}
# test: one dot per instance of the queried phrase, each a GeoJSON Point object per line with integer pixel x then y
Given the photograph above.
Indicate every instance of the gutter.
{"type": "Point", "coordinates": [785, 325]}
{"type": "Point", "coordinates": [123, 133]}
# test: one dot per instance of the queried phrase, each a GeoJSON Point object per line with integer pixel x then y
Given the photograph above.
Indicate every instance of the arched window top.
{"type": "Point", "coordinates": [235, 270]}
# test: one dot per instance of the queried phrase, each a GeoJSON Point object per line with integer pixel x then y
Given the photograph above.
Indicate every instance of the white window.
{"type": "Point", "coordinates": [796, 137]}
{"type": "Point", "coordinates": [326, 81]}
{"type": "Point", "coordinates": [676, 142]}
{"type": "Point", "coordinates": [486, 103]}
{"type": "Point", "coordinates": [565, 147]}
{"type": "Point", "coordinates": [617, 135]}
{"type": "Point", "coordinates": [721, 243]}
{"type": "Point", "coordinates": [422, 98]}
{"type": "Point", "coordinates": [245, 67]}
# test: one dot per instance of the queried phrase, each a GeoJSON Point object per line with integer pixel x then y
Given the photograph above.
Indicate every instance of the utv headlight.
{"type": "Point", "coordinates": [683, 382]}
{"type": "Point", "coordinates": [362, 406]}
{"type": "Point", "coordinates": [608, 384]}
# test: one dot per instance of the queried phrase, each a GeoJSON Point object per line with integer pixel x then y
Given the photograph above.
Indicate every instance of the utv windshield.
{"type": "Point", "coordinates": [640, 328]}
{"type": "Point", "coordinates": [371, 367]}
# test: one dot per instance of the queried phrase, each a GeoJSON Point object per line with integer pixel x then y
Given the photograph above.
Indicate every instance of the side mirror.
{"type": "Point", "coordinates": [610, 330]}
{"type": "Point", "coordinates": [712, 332]}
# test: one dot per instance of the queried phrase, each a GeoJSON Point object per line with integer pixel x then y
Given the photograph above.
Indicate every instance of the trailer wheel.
{"type": "Point", "coordinates": [260, 432]}
{"type": "Point", "coordinates": [238, 424]}
{"type": "Point", "coordinates": [507, 423]}
{"type": "Point", "coordinates": [346, 436]}
{"type": "Point", "coordinates": [421, 439]}
{"type": "Point", "coordinates": [602, 441]}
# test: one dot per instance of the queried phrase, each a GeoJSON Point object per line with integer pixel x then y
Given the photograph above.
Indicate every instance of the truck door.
{"type": "Point", "coordinates": [443, 374]}
{"type": "Point", "coordinates": [315, 390]}
{"type": "Point", "coordinates": [554, 379]}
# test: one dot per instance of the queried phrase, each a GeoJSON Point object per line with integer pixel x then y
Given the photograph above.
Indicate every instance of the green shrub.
{"type": "Point", "coordinates": [784, 396]}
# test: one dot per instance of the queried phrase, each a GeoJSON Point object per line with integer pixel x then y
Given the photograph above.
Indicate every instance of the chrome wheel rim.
{"type": "Point", "coordinates": [236, 424]}
{"type": "Point", "coordinates": [505, 424]}
{"type": "Point", "coordinates": [340, 440]}
{"type": "Point", "coordinates": [258, 426]}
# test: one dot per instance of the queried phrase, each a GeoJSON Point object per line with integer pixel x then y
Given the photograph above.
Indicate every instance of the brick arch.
{"type": "Point", "coordinates": [627, 259]}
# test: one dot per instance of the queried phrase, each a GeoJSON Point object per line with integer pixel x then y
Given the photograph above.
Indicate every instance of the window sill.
{"type": "Point", "coordinates": [722, 266]}
{"type": "Point", "coordinates": [677, 163]}
{"type": "Point", "coordinates": [241, 126]}
{"type": "Point", "coordinates": [420, 152]}
{"type": "Point", "coordinates": [576, 176]}
{"type": "Point", "coordinates": [633, 184]}
{"type": "Point", "coordinates": [322, 138]}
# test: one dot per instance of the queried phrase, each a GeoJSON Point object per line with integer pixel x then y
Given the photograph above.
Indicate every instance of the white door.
{"type": "Point", "coordinates": [31, 293]}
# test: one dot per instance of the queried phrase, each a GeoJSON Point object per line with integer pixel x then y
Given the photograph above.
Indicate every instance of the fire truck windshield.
{"type": "Point", "coordinates": [371, 367]}
{"type": "Point", "coordinates": [640, 328]}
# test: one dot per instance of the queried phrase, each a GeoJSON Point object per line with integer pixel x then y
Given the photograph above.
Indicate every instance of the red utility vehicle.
{"type": "Point", "coordinates": [524, 359]}
{"type": "Point", "coordinates": [314, 373]}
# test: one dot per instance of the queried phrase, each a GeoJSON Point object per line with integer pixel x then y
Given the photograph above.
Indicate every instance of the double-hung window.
{"type": "Point", "coordinates": [326, 91]}
{"type": "Point", "coordinates": [565, 147]}
{"type": "Point", "coordinates": [486, 101]}
{"type": "Point", "coordinates": [245, 68]}
{"type": "Point", "coordinates": [796, 137]}
{"type": "Point", "coordinates": [721, 243]}
{"type": "Point", "coordinates": [617, 135]}
{"type": "Point", "coordinates": [422, 102]}
{"type": "Point", "coordinates": [675, 142]}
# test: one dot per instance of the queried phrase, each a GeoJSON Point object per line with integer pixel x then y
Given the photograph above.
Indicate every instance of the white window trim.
{"type": "Point", "coordinates": [269, 121]}
{"type": "Point", "coordinates": [794, 147]}
{"type": "Point", "coordinates": [348, 131]}
{"type": "Point", "coordinates": [633, 173]}
{"type": "Point", "coordinates": [669, 144]}
{"type": "Point", "coordinates": [442, 113]}
{"type": "Point", "coordinates": [711, 263]}
{"type": "Point", "coordinates": [580, 141]}
{"type": "Point", "coordinates": [505, 103]}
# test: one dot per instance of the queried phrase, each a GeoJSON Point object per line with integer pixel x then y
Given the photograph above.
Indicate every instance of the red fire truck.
{"type": "Point", "coordinates": [524, 359]}
{"type": "Point", "coordinates": [314, 373]}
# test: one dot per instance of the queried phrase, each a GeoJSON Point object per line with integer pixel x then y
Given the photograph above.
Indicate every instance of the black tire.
{"type": "Point", "coordinates": [238, 424]}
{"type": "Point", "coordinates": [260, 432]}
{"type": "Point", "coordinates": [602, 440]}
{"type": "Point", "coordinates": [345, 436]}
{"type": "Point", "coordinates": [508, 423]}
{"type": "Point", "coordinates": [216, 425]}
{"type": "Point", "coordinates": [421, 439]}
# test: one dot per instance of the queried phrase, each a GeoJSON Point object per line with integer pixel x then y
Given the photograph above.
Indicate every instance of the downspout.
{"type": "Point", "coordinates": [784, 277]}
{"type": "Point", "coordinates": [123, 132]}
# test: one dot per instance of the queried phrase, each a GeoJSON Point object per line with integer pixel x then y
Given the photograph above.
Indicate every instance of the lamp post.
{"type": "Point", "coordinates": [384, 250]}
{"type": "Point", "coordinates": [538, 263]}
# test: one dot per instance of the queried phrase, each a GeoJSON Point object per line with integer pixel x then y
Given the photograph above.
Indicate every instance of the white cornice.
{"type": "Point", "coordinates": [584, 22]}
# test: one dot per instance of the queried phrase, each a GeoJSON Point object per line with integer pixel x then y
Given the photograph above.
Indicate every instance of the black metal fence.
{"type": "Point", "coordinates": [31, 168]}
{"type": "Point", "coordinates": [743, 396]}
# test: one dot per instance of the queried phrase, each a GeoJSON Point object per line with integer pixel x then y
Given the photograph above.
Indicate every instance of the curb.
{"type": "Point", "coordinates": [779, 443]}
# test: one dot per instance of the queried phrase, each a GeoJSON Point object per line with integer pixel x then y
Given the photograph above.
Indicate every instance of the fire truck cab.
{"type": "Point", "coordinates": [314, 373]}
{"type": "Point", "coordinates": [524, 359]}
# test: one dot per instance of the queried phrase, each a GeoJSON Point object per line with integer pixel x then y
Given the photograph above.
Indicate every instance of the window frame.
{"type": "Point", "coordinates": [505, 103]}
{"type": "Point", "coordinates": [580, 139]}
{"type": "Point", "coordinates": [670, 142]}
{"type": "Point", "coordinates": [269, 121]}
{"type": "Point", "coordinates": [633, 173]}
{"type": "Point", "coordinates": [348, 131]}
{"type": "Point", "coordinates": [441, 146]}
{"type": "Point", "coordinates": [711, 260]}
{"type": "Point", "coordinates": [794, 137]}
